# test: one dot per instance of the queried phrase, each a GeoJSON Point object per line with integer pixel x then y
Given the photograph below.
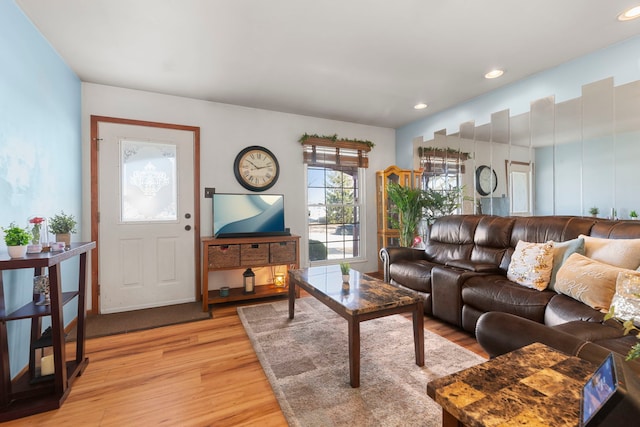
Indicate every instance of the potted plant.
{"type": "Point", "coordinates": [63, 225]}
{"type": "Point", "coordinates": [407, 210]}
{"type": "Point", "coordinates": [17, 240]}
{"type": "Point", "coordinates": [345, 268]}
{"type": "Point", "coordinates": [633, 215]}
{"type": "Point", "coordinates": [594, 211]}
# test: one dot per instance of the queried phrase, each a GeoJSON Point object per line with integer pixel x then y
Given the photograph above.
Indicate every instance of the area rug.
{"type": "Point", "coordinates": [129, 321]}
{"type": "Point", "coordinates": [306, 361]}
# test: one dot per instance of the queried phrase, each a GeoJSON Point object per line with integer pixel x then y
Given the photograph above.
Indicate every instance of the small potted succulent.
{"type": "Point", "coordinates": [63, 225]}
{"type": "Point", "coordinates": [594, 211]}
{"type": "Point", "coordinates": [633, 215]}
{"type": "Point", "coordinates": [345, 268]}
{"type": "Point", "coordinates": [17, 239]}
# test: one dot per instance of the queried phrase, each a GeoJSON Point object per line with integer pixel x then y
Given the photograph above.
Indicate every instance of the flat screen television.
{"type": "Point", "coordinates": [248, 215]}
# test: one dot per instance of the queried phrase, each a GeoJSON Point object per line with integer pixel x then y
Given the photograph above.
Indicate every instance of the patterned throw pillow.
{"type": "Point", "coordinates": [531, 264]}
{"type": "Point", "coordinates": [626, 300]}
{"type": "Point", "coordinates": [589, 281]}
{"type": "Point", "coordinates": [623, 253]}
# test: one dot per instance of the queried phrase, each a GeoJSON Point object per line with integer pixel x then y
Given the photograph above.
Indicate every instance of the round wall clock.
{"type": "Point", "coordinates": [486, 180]}
{"type": "Point", "coordinates": [256, 168]}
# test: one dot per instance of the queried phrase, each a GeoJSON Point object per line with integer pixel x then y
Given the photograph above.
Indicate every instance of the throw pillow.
{"type": "Point", "coordinates": [589, 281]}
{"type": "Point", "coordinates": [531, 264]}
{"type": "Point", "coordinates": [623, 253]}
{"type": "Point", "coordinates": [562, 251]}
{"type": "Point", "coordinates": [626, 300]}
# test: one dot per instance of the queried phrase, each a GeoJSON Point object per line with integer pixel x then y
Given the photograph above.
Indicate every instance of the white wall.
{"type": "Point", "coordinates": [227, 129]}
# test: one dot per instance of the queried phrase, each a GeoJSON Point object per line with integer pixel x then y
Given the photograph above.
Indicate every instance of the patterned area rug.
{"type": "Point", "coordinates": [306, 361]}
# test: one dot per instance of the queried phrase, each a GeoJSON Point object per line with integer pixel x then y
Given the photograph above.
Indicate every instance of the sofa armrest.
{"type": "Point", "coordinates": [499, 333]}
{"type": "Point", "coordinates": [478, 267]}
{"type": "Point", "coordinates": [395, 254]}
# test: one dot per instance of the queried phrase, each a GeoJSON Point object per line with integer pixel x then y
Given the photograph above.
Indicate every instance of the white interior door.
{"type": "Point", "coordinates": [146, 205]}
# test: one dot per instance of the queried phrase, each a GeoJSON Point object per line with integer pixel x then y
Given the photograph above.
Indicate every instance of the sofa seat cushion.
{"type": "Point", "coordinates": [413, 274]}
{"type": "Point", "coordinates": [497, 293]}
{"type": "Point", "coordinates": [563, 309]}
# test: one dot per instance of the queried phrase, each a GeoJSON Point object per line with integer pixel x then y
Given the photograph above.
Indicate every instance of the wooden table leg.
{"type": "Point", "coordinates": [418, 332]}
{"type": "Point", "coordinates": [449, 420]}
{"type": "Point", "coordinates": [354, 351]}
{"type": "Point", "coordinates": [292, 297]}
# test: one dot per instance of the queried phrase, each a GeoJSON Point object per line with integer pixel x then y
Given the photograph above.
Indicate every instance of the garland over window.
{"type": "Point", "coordinates": [442, 161]}
{"type": "Point", "coordinates": [331, 151]}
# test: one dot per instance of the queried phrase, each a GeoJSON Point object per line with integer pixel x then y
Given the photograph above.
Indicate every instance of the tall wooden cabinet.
{"type": "Point", "coordinates": [387, 235]}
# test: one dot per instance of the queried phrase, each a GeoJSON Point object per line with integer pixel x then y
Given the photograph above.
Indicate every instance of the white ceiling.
{"type": "Point", "coordinates": [363, 61]}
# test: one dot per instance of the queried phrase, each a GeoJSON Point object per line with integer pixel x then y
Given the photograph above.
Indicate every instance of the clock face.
{"type": "Point", "coordinates": [256, 168]}
{"type": "Point", "coordinates": [486, 180]}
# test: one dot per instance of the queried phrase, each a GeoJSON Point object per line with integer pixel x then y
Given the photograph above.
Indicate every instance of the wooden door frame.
{"type": "Point", "coordinates": [95, 120]}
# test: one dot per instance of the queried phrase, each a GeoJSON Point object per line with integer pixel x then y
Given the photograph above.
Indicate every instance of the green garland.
{"type": "Point", "coordinates": [335, 138]}
{"type": "Point", "coordinates": [448, 150]}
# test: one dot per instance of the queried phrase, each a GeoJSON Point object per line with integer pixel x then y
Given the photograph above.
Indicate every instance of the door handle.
{"type": "Point", "coordinates": [187, 227]}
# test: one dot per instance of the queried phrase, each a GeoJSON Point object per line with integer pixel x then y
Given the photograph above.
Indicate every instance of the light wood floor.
{"type": "Point", "coordinates": [195, 374]}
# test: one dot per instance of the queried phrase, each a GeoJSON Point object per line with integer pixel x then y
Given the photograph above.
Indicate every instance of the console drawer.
{"type": "Point", "coordinates": [254, 253]}
{"type": "Point", "coordinates": [282, 252]}
{"type": "Point", "coordinates": [224, 256]}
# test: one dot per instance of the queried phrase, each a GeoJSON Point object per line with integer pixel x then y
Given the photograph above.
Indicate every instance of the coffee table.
{"type": "Point", "coordinates": [534, 386]}
{"type": "Point", "coordinates": [363, 298]}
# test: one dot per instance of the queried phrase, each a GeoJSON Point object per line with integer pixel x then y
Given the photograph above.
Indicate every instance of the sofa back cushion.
{"type": "Point", "coordinates": [616, 230]}
{"type": "Point", "coordinates": [451, 238]}
{"type": "Point", "coordinates": [491, 240]}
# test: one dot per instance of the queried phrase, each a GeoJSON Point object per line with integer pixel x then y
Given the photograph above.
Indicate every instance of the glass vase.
{"type": "Point", "coordinates": [40, 234]}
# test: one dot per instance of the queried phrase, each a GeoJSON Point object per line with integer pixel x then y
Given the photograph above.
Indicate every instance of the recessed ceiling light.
{"type": "Point", "coordinates": [629, 14]}
{"type": "Point", "coordinates": [420, 106]}
{"type": "Point", "coordinates": [493, 74]}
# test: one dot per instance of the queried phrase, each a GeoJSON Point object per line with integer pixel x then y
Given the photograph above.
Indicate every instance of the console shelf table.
{"type": "Point", "coordinates": [246, 252]}
{"type": "Point", "coordinates": [22, 396]}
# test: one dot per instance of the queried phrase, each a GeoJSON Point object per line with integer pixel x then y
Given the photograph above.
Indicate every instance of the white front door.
{"type": "Point", "coordinates": [146, 217]}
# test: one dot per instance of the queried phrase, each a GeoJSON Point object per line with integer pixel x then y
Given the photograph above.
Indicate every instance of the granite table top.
{"type": "Point", "coordinates": [363, 294]}
{"type": "Point", "coordinates": [534, 386]}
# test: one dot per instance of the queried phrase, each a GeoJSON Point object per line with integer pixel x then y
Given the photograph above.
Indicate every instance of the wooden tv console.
{"type": "Point", "coordinates": [246, 252]}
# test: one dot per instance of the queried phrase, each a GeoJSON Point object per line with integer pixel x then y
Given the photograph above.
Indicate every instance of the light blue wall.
{"type": "Point", "coordinates": [621, 61]}
{"type": "Point", "coordinates": [40, 151]}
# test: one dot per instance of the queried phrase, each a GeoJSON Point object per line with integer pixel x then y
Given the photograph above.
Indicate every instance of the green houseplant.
{"type": "Point", "coordinates": [344, 269]}
{"type": "Point", "coordinates": [633, 215]}
{"type": "Point", "coordinates": [594, 211]}
{"type": "Point", "coordinates": [63, 225]}
{"type": "Point", "coordinates": [406, 210]}
{"type": "Point", "coordinates": [16, 239]}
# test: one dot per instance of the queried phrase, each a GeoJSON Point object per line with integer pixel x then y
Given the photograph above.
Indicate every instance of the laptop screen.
{"type": "Point", "coordinates": [598, 390]}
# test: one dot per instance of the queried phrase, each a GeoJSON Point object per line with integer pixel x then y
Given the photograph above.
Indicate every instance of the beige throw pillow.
{"type": "Point", "coordinates": [623, 253]}
{"type": "Point", "coordinates": [531, 264]}
{"type": "Point", "coordinates": [589, 281]}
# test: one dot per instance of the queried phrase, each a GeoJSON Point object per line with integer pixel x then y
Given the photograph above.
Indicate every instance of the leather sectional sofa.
{"type": "Point", "coordinates": [462, 276]}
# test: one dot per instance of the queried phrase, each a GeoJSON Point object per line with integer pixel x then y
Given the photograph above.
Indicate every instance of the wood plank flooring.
{"type": "Point", "coordinates": [194, 374]}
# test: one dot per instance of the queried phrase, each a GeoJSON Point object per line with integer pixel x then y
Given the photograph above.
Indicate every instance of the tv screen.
{"type": "Point", "coordinates": [611, 397]}
{"type": "Point", "coordinates": [245, 215]}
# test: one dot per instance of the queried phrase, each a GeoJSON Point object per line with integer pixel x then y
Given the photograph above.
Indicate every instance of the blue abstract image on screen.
{"type": "Point", "coordinates": [247, 214]}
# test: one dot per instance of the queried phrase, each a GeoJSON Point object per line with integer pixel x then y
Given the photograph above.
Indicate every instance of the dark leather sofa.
{"type": "Point", "coordinates": [462, 275]}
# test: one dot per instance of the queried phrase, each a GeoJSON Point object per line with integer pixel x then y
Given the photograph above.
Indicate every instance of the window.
{"type": "Point", "coordinates": [334, 208]}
